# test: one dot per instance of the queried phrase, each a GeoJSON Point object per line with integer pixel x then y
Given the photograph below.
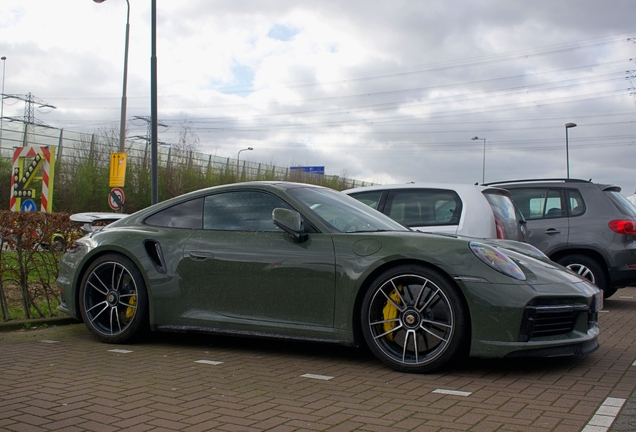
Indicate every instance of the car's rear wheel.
{"type": "Point", "coordinates": [113, 299]}
{"type": "Point", "coordinates": [414, 319]}
{"type": "Point", "coordinates": [590, 269]}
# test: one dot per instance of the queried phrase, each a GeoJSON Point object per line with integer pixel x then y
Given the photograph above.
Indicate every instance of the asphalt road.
{"type": "Point", "coordinates": [61, 378]}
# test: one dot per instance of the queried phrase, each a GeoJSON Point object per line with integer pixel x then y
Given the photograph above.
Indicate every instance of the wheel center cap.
{"type": "Point", "coordinates": [112, 298]}
{"type": "Point", "coordinates": [411, 319]}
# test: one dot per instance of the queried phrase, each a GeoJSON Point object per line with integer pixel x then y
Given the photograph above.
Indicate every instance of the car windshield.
{"type": "Point", "coordinates": [342, 212]}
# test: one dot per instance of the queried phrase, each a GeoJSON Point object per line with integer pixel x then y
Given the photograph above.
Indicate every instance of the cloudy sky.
{"type": "Point", "coordinates": [387, 92]}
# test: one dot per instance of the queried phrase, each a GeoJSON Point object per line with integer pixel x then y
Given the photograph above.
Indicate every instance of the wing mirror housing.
{"type": "Point", "coordinates": [291, 222]}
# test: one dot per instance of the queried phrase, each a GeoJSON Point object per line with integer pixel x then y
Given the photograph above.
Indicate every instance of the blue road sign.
{"type": "Point", "coordinates": [28, 205]}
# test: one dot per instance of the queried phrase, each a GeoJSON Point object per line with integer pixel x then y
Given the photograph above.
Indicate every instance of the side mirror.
{"type": "Point", "coordinates": [289, 221]}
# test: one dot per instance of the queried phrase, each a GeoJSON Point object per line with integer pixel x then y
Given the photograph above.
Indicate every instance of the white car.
{"type": "Point", "coordinates": [468, 210]}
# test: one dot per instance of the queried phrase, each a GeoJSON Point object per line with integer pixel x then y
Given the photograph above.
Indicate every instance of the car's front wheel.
{"type": "Point", "coordinates": [590, 270]}
{"type": "Point", "coordinates": [113, 299]}
{"type": "Point", "coordinates": [414, 319]}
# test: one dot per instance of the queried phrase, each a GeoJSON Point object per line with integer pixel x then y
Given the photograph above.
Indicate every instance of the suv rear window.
{"type": "Point", "coordinates": [622, 203]}
{"type": "Point", "coordinates": [505, 213]}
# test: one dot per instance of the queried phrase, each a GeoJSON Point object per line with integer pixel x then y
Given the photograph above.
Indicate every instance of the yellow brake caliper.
{"type": "Point", "coordinates": [391, 312]}
{"type": "Point", "coordinates": [130, 310]}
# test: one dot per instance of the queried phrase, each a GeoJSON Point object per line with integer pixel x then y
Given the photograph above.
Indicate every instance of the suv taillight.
{"type": "Point", "coordinates": [501, 230]}
{"type": "Point", "coordinates": [623, 226]}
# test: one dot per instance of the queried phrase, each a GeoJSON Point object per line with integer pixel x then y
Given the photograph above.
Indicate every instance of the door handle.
{"type": "Point", "coordinates": [552, 231]}
{"type": "Point", "coordinates": [200, 256]}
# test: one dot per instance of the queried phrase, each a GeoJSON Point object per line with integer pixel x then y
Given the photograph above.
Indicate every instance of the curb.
{"type": "Point", "coordinates": [13, 325]}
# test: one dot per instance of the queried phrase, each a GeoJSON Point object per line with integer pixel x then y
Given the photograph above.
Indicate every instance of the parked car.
{"type": "Point", "coordinates": [297, 261]}
{"type": "Point", "coordinates": [468, 210]}
{"type": "Point", "coordinates": [588, 227]}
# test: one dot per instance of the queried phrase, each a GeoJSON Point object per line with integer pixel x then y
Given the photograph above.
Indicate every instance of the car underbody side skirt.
{"type": "Point", "coordinates": [244, 333]}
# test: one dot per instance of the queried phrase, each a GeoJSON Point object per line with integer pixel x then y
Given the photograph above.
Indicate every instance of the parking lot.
{"type": "Point", "coordinates": [60, 378]}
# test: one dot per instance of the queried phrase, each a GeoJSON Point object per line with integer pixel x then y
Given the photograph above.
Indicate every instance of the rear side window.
{"type": "Point", "coordinates": [538, 203]}
{"type": "Point", "coordinates": [187, 215]}
{"type": "Point", "coordinates": [546, 203]}
{"type": "Point", "coordinates": [576, 205]}
{"type": "Point", "coordinates": [424, 207]}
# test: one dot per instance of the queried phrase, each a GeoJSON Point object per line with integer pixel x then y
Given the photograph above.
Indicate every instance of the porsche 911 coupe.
{"type": "Point", "coordinates": [296, 261]}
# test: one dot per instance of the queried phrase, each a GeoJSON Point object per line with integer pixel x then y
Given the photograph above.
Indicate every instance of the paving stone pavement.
{"type": "Point", "coordinates": [61, 378]}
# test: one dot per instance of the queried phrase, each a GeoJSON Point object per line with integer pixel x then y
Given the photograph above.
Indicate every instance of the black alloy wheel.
{"type": "Point", "coordinates": [113, 299]}
{"type": "Point", "coordinates": [414, 319]}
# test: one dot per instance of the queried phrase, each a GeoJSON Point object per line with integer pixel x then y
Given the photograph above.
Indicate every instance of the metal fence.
{"type": "Point", "coordinates": [78, 146]}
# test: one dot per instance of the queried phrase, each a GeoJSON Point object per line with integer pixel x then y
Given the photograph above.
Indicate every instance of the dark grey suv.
{"type": "Point", "coordinates": [588, 227]}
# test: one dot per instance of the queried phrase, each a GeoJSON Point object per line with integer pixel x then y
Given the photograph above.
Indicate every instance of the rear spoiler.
{"type": "Point", "coordinates": [88, 219]}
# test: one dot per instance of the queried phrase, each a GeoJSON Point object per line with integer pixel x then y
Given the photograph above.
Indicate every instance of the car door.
{"type": "Point", "coordinates": [242, 266]}
{"type": "Point", "coordinates": [546, 214]}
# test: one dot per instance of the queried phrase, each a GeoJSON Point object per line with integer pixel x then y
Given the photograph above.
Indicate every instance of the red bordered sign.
{"type": "Point", "coordinates": [116, 198]}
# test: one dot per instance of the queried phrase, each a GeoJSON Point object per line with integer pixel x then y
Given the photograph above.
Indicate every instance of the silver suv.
{"type": "Point", "coordinates": [461, 209]}
{"type": "Point", "coordinates": [588, 227]}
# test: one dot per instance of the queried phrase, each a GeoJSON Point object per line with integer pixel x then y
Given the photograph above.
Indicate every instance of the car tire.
{"type": "Point", "coordinates": [113, 299]}
{"type": "Point", "coordinates": [590, 269]}
{"type": "Point", "coordinates": [414, 319]}
{"type": "Point", "coordinates": [58, 244]}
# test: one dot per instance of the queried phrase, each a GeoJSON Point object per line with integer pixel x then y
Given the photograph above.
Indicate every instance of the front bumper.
{"type": "Point", "coordinates": [576, 350]}
{"type": "Point", "coordinates": [540, 320]}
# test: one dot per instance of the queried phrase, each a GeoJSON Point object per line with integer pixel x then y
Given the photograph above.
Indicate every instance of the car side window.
{"type": "Point", "coordinates": [370, 198]}
{"type": "Point", "coordinates": [554, 204]}
{"type": "Point", "coordinates": [576, 205]}
{"type": "Point", "coordinates": [188, 215]}
{"type": "Point", "coordinates": [241, 211]}
{"type": "Point", "coordinates": [424, 207]}
{"type": "Point", "coordinates": [538, 203]}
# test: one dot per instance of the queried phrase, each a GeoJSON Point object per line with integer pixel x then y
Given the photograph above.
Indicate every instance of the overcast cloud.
{"type": "Point", "coordinates": [387, 92]}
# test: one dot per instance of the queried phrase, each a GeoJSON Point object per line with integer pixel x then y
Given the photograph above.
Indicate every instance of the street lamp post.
{"type": "Point", "coordinates": [4, 62]}
{"type": "Point", "coordinates": [238, 166]}
{"type": "Point", "coordinates": [483, 163]}
{"type": "Point", "coordinates": [122, 123]}
{"type": "Point", "coordinates": [567, 150]}
{"type": "Point", "coordinates": [154, 107]}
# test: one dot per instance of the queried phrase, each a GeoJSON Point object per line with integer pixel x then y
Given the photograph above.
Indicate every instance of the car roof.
{"type": "Point", "coordinates": [552, 181]}
{"type": "Point", "coordinates": [459, 187]}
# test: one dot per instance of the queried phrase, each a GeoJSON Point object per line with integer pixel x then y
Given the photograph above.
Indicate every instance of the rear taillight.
{"type": "Point", "coordinates": [501, 230]}
{"type": "Point", "coordinates": [623, 226]}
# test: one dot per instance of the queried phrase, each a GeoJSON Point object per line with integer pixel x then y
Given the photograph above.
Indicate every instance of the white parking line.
{"type": "Point", "coordinates": [605, 415]}
{"type": "Point", "coordinates": [120, 351]}
{"type": "Point", "coordinates": [49, 341]}
{"type": "Point", "coordinates": [320, 377]}
{"type": "Point", "coordinates": [210, 362]}
{"type": "Point", "coordinates": [452, 392]}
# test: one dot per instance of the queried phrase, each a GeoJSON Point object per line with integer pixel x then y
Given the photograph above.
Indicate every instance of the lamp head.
{"type": "Point", "coordinates": [570, 125]}
{"type": "Point", "coordinates": [474, 138]}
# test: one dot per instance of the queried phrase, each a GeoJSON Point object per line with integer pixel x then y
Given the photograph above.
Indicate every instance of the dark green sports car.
{"type": "Point", "coordinates": [296, 261]}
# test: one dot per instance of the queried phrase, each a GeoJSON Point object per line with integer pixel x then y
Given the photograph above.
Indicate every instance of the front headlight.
{"type": "Point", "coordinates": [497, 260]}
